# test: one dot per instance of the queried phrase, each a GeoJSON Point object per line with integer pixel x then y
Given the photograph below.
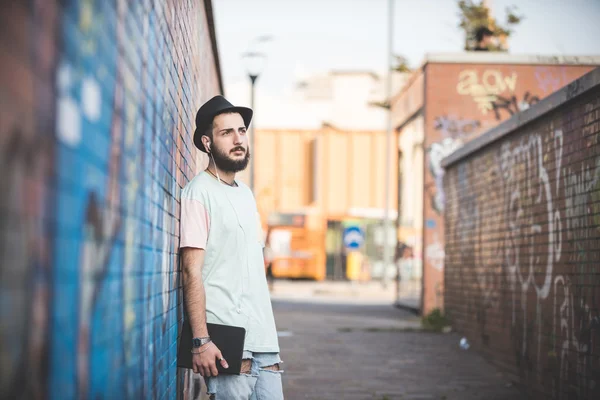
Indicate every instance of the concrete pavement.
{"type": "Point", "coordinates": [348, 342]}
{"type": "Point", "coordinates": [355, 351]}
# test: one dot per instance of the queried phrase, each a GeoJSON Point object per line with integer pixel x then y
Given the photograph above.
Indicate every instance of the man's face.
{"type": "Point", "coordinates": [230, 143]}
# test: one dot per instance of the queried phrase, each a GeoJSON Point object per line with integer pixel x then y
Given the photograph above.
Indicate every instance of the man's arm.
{"type": "Point", "coordinates": [204, 358]}
{"type": "Point", "coordinates": [193, 290]}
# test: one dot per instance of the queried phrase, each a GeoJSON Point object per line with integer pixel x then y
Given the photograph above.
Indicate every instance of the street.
{"type": "Point", "coordinates": [340, 350]}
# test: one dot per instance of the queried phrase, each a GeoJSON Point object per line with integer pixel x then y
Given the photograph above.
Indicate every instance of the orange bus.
{"type": "Point", "coordinates": [296, 245]}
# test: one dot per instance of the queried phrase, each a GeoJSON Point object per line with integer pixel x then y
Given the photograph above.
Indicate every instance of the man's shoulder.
{"type": "Point", "coordinates": [198, 188]}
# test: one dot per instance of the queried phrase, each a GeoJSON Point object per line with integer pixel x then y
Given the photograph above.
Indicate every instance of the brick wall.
{"type": "Point", "coordinates": [97, 102]}
{"type": "Point", "coordinates": [463, 100]}
{"type": "Point", "coordinates": [522, 243]}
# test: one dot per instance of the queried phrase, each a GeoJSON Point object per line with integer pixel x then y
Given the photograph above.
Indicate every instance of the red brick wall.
{"type": "Point", "coordinates": [522, 267]}
{"type": "Point", "coordinates": [97, 106]}
{"type": "Point", "coordinates": [463, 101]}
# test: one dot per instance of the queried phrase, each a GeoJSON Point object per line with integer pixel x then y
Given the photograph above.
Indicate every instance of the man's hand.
{"type": "Point", "coordinates": [205, 363]}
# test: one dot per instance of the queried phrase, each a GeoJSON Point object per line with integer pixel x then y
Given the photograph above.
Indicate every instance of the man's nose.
{"type": "Point", "coordinates": [237, 138]}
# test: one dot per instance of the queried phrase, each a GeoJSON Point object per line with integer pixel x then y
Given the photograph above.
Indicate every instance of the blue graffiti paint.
{"type": "Point", "coordinates": [430, 224]}
{"type": "Point", "coordinates": [124, 100]}
{"type": "Point", "coordinates": [84, 260]}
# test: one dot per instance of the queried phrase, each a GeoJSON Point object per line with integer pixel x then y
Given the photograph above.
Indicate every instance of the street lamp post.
{"type": "Point", "coordinates": [387, 251]}
{"type": "Point", "coordinates": [255, 62]}
{"type": "Point", "coordinates": [252, 148]}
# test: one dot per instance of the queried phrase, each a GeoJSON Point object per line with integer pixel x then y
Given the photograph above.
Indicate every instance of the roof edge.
{"type": "Point", "coordinates": [213, 39]}
{"type": "Point", "coordinates": [486, 57]}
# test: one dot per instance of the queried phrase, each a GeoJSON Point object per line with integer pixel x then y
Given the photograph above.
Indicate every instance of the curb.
{"type": "Point", "coordinates": [407, 307]}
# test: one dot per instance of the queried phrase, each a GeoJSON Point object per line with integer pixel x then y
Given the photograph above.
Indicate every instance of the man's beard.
{"type": "Point", "coordinates": [227, 164]}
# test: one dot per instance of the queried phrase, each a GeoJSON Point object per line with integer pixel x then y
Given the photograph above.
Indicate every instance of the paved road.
{"type": "Point", "coordinates": [360, 352]}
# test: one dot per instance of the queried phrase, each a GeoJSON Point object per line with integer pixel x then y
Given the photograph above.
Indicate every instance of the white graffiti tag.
{"type": "Point", "coordinates": [528, 191]}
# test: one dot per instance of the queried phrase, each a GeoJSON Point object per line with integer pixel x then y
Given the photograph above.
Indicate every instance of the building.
{"type": "Point", "coordinates": [529, 303]}
{"type": "Point", "coordinates": [335, 175]}
{"type": "Point", "coordinates": [329, 169]}
{"type": "Point", "coordinates": [449, 100]}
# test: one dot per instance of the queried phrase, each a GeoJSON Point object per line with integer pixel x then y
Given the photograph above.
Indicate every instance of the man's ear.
{"type": "Point", "coordinates": [206, 142]}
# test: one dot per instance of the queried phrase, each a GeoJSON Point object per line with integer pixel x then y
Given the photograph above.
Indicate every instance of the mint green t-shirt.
{"type": "Point", "coordinates": [224, 221]}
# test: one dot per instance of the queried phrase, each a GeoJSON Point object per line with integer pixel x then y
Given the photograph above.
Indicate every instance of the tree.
{"type": "Point", "coordinates": [401, 64]}
{"type": "Point", "coordinates": [474, 15]}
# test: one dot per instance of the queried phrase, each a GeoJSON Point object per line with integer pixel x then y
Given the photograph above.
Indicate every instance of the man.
{"type": "Point", "coordinates": [223, 268]}
{"type": "Point", "coordinates": [485, 39]}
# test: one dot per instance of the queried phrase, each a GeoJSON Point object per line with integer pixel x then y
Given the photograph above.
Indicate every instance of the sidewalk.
{"type": "Point", "coordinates": [335, 351]}
{"type": "Point", "coordinates": [372, 292]}
{"type": "Point", "coordinates": [343, 340]}
{"type": "Point", "coordinates": [345, 297]}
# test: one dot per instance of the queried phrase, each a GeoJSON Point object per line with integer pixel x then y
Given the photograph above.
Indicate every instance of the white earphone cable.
{"type": "Point", "coordinates": [215, 164]}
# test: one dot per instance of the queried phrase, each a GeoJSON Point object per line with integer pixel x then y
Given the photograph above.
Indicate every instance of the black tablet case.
{"type": "Point", "coordinates": [229, 340]}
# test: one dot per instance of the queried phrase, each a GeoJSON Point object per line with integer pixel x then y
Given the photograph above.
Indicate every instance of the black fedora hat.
{"type": "Point", "coordinates": [209, 110]}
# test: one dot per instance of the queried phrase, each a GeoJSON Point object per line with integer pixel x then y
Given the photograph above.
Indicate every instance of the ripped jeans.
{"type": "Point", "coordinates": [259, 383]}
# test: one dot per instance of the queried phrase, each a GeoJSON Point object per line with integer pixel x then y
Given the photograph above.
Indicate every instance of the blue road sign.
{"type": "Point", "coordinates": [353, 237]}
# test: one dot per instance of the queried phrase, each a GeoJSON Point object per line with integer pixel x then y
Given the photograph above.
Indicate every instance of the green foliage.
{"type": "Point", "coordinates": [401, 64]}
{"type": "Point", "coordinates": [435, 321]}
{"type": "Point", "coordinates": [475, 14]}
{"type": "Point", "coordinates": [380, 104]}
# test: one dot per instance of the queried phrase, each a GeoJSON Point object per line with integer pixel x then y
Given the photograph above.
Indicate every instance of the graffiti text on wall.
{"type": "Point", "coordinates": [485, 88]}
{"type": "Point", "coordinates": [550, 79]}
{"type": "Point", "coordinates": [455, 132]}
{"type": "Point", "coordinates": [94, 151]}
{"type": "Point", "coordinates": [524, 219]}
{"type": "Point", "coordinates": [511, 105]}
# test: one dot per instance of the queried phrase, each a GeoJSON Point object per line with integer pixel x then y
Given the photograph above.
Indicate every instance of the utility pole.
{"type": "Point", "coordinates": [387, 251]}
{"type": "Point", "coordinates": [252, 138]}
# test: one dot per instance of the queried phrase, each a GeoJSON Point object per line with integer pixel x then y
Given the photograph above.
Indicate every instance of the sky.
{"type": "Point", "coordinates": [315, 36]}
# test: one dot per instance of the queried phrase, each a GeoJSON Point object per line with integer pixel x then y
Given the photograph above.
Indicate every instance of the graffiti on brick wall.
{"type": "Point", "coordinates": [484, 89]}
{"type": "Point", "coordinates": [538, 257]}
{"type": "Point", "coordinates": [550, 79]}
{"type": "Point", "coordinates": [545, 238]}
{"type": "Point", "coordinates": [509, 106]}
{"type": "Point", "coordinates": [92, 166]}
{"type": "Point", "coordinates": [88, 200]}
{"type": "Point", "coordinates": [88, 130]}
{"type": "Point", "coordinates": [528, 188]}
{"type": "Point", "coordinates": [435, 254]}
{"type": "Point", "coordinates": [579, 186]}
{"type": "Point", "coordinates": [476, 221]}
{"type": "Point", "coordinates": [26, 210]}
{"type": "Point", "coordinates": [455, 132]}
{"type": "Point", "coordinates": [24, 263]}
{"type": "Point", "coordinates": [575, 340]}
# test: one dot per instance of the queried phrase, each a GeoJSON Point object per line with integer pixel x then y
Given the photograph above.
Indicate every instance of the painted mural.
{"type": "Point", "coordinates": [95, 168]}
